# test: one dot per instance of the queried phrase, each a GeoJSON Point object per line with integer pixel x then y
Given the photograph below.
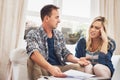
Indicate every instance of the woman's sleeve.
{"type": "Point", "coordinates": [106, 58]}
{"type": "Point", "coordinates": [80, 48]}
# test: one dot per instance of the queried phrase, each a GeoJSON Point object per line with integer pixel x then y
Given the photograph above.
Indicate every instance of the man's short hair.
{"type": "Point", "coordinates": [46, 10]}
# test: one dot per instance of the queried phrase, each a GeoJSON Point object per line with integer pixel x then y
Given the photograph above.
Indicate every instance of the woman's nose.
{"type": "Point", "coordinates": [93, 29]}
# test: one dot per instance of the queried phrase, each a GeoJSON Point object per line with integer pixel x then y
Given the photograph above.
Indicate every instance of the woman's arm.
{"type": "Point", "coordinates": [106, 58]}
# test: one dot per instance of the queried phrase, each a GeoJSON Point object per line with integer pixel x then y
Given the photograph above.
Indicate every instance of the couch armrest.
{"type": "Point", "coordinates": [18, 58]}
{"type": "Point", "coordinates": [115, 59]}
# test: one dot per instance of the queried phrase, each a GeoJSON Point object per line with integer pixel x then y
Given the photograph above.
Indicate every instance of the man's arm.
{"type": "Point", "coordinates": [40, 60]}
{"type": "Point", "coordinates": [71, 58]}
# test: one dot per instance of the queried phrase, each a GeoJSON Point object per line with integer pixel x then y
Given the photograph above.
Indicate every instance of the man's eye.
{"type": "Point", "coordinates": [91, 26]}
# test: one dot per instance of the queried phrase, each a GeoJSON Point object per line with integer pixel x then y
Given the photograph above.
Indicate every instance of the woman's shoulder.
{"type": "Point", "coordinates": [111, 40]}
{"type": "Point", "coordinates": [82, 40]}
{"type": "Point", "coordinates": [112, 43]}
{"type": "Point", "coordinates": [81, 44]}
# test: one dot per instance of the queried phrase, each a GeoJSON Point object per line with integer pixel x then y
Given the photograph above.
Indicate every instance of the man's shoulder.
{"type": "Point", "coordinates": [30, 30]}
{"type": "Point", "coordinates": [58, 32]}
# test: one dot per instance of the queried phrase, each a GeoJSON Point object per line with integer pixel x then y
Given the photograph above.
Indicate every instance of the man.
{"type": "Point", "coordinates": [46, 47]}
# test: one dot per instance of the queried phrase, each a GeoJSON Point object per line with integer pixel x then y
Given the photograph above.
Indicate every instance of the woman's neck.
{"type": "Point", "coordinates": [95, 45]}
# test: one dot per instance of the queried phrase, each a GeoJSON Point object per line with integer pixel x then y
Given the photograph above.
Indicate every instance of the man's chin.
{"type": "Point", "coordinates": [54, 27]}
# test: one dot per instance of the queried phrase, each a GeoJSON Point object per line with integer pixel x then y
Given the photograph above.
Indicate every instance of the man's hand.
{"type": "Point", "coordinates": [40, 60]}
{"type": "Point", "coordinates": [55, 71]}
{"type": "Point", "coordinates": [83, 61]}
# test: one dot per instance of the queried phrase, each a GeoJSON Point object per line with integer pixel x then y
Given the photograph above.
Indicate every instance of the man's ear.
{"type": "Point", "coordinates": [46, 18]}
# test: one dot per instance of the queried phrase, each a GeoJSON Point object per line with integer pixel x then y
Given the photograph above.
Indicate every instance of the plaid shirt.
{"type": "Point", "coordinates": [37, 40]}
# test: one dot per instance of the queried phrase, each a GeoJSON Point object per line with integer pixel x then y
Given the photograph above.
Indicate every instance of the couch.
{"type": "Point", "coordinates": [19, 58]}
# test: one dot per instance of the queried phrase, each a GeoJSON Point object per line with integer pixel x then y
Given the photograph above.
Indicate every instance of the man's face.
{"type": "Point", "coordinates": [54, 19]}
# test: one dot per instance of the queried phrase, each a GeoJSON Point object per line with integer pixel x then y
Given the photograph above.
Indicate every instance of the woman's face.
{"type": "Point", "coordinates": [94, 31]}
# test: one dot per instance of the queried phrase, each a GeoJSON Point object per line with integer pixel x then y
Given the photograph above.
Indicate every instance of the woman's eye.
{"type": "Point", "coordinates": [97, 27]}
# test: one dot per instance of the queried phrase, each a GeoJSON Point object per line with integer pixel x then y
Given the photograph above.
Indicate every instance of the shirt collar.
{"type": "Point", "coordinates": [45, 35]}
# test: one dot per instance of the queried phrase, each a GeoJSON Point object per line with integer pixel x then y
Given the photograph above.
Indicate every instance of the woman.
{"type": "Point", "coordinates": [98, 48]}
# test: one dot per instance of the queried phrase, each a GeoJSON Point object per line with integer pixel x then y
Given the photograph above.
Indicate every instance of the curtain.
{"type": "Point", "coordinates": [110, 9]}
{"type": "Point", "coordinates": [12, 26]}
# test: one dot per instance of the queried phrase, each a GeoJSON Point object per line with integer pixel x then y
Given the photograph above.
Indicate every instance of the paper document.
{"type": "Point", "coordinates": [78, 74]}
{"type": "Point", "coordinates": [71, 75]}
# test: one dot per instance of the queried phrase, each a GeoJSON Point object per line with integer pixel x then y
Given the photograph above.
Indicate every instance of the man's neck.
{"type": "Point", "coordinates": [48, 30]}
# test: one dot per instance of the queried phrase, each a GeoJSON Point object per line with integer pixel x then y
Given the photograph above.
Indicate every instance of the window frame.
{"type": "Point", "coordinates": [94, 12]}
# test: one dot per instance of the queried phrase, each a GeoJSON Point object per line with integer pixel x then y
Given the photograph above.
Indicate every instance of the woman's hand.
{"type": "Point", "coordinates": [103, 35]}
{"type": "Point", "coordinates": [83, 61]}
{"type": "Point", "coordinates": [105, 41]}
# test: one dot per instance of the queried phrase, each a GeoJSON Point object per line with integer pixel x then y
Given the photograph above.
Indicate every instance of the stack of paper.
{"type": "Point", "coordinates": [77, 74]}
{"type": "Point", "coordinates": [71, 75]}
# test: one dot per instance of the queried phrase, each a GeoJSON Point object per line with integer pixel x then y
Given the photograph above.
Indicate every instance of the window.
{"type": "Point", "coordinates": [33, 10]}
{"type": "Point", "coordinates": [78, 8]}
{"type": "Point", "coordinates": [75, 16]}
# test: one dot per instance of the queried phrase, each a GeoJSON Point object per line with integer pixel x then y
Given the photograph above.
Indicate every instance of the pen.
{"type": "Point", "coordinates": [45, 77]}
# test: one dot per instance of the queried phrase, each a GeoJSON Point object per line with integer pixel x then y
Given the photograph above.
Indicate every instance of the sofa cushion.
{"type": "Point", "coordinates": [19, 59]}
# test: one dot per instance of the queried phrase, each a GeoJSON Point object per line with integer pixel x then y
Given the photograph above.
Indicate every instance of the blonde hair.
{"type": "Point", "coordinates": [89, 41]}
